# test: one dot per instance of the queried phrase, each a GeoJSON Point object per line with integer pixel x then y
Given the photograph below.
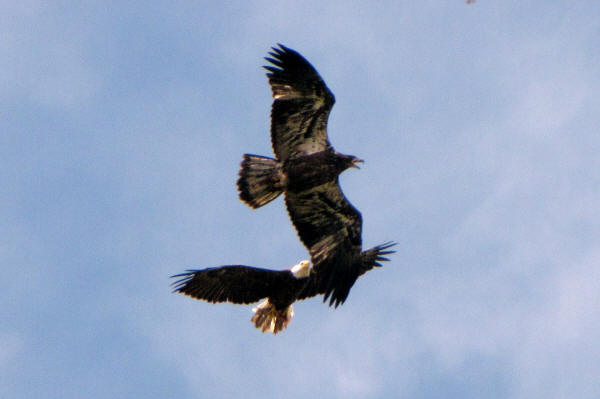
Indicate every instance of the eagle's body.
{"type": "Point", "coordinates": [295, 175]}
{"type": "Point", "coordinates": [241, 284]}
{"type": "Point", "coordinates": [306, 169]}
{"type": "Point", "coordinates": [313, 170]}
{"type": "Point", "coordinates": [245, 285]}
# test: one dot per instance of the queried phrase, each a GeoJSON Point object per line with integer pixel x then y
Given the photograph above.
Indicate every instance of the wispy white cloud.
{"type": "Point", "coordinates": [558, 354]}
{"type": "Point", "coordinates": [532, 301]}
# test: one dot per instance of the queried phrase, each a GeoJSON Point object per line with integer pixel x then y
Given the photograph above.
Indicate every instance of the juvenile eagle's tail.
{"type": "Point", "coordinates": [259, 180]}
{"type": "Point", "coordinates": [267, 318]}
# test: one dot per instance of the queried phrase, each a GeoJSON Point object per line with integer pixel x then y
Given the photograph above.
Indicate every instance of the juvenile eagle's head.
{"type": "Point", "coordinates": [301, 270]}
{"type": "Point", "coordinates": [344, 161]}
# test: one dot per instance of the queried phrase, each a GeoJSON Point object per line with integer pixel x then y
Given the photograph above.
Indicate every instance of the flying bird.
{"type": "Point", "coordinates": [241, 284]}
{"type": "Point", "coordinates": [306, 169]}
{"type": "Point", "coordinates": [246, 284]}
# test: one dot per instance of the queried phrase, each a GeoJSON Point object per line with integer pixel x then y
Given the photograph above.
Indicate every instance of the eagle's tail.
{"type": "Point", "coordinates": [259, 180]}
{"type": "Point", "coordinates": [267, 318]}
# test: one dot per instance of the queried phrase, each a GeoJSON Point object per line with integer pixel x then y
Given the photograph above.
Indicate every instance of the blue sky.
{"type": "Point", "coordinates": [121, 130]}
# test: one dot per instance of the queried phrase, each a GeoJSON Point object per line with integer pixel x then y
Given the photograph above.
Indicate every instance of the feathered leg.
{"type": "Point", "coordinates": [267, 318]}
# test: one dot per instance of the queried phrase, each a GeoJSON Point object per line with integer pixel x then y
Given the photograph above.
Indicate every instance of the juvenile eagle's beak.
{"type": "Point", "coordinates": [356, 161]}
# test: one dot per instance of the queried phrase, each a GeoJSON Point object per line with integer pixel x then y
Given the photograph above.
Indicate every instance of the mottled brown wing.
{"type": "Point", "coordinates": [314, 286]}
{"type": "Point", "coordinates": [236, 284]}
{"type": "Point", "coordinates": [318, 281]}
{"type": "Point", "coordinates": [325, 220]}
{"type": "Point", "coordinates": [301, 105]}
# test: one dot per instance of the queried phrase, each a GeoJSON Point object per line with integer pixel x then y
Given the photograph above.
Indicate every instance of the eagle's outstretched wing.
{"type": "Point", "coordinates": [301, 105]}
{"type": "Point", "coordinates": [319, 278]}
{"type": "Point", "coordinates": [330, 228]}
{"type": "Point", "coordinates": [236, 284]}
{"type": "Point", "coordinates": [324, 220]}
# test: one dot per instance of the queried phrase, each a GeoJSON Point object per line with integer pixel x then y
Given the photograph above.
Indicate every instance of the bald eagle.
{"type": "Point", "coordinates": [246, 284]}
{"type": "Point", "coordinates": [306, 169]}
{"type": "Point", "coordinates": [241, 284]}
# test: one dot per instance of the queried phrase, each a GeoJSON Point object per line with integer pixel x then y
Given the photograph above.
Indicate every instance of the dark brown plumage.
{"type": "Point", "coordinates": [306, 170]}
{"type": "Point", "coordinates": [241, 284]}
{"type": "Point", "coordinates": [246, 284]}
{"type": "Point", "coordinates": [318, 282]}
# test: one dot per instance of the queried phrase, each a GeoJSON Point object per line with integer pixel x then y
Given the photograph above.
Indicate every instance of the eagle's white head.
{"type": "Point", "coordinates": [301, 270]}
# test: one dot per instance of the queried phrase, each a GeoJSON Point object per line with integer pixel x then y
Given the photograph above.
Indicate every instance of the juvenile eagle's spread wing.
{"type": "Point", "coordinates": [301, 105]}
{"type": "Point", "coordinates": [319, 279]}
{"type": "Point", "coordinates": [236, 284]}
{"type": "Point", "coordinates": [330, 227]}
{"type": "Point", "coordinates": [324, 220]}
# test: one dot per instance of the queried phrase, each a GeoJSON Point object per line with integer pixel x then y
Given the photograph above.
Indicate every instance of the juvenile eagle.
{"type": "Point", "coordinates": [306, 170]}
{"type": "Point", "coordinates": [280, 288]}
